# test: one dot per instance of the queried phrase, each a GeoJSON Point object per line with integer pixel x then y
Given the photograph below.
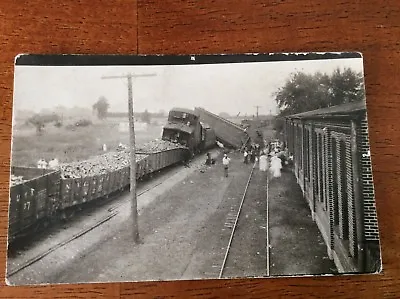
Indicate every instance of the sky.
{"type": "Point", "coordinates": [231, 88]}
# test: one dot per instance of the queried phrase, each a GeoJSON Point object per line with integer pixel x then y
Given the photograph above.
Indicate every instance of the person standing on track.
{"type": "Point", "coordinates": [246, 156]}
{"type": "Point", "coordinates": [263, 162]}
{"type": "Point", "coordinates": [252, 154]}
{"type": "Point", "coordinates": [225, 162]}
{"type": "Point", "coordinates": [276, 166]}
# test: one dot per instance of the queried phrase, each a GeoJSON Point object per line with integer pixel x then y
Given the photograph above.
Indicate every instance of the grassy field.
{"type": "Point", "coordinates": [67, 145]}
{"type": "Point", "coordinates": [74, 145]}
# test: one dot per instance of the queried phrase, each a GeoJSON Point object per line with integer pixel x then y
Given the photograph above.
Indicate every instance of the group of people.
{"type": "Point", "coordinates": [225, 162]}
{"type": "Point", "coordinates": [53, 164]}
{"type": "Point", "coordinates": [252, 154]}
{"type": "Point", "coordinates": [271, 158]}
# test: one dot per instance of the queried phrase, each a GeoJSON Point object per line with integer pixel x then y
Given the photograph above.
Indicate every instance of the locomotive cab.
{"type": "Point", "coordinates": [176, 136]}
{"type": "Point", "coordinates": [183, 116]}
{"type": "Point", "coordinates": [183, 127]}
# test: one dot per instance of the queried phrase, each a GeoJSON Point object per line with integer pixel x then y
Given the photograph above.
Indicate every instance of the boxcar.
{"type": "Point", "coordinates": [208, 137]}
{"type": "Point", "coordinates": [226, 131]}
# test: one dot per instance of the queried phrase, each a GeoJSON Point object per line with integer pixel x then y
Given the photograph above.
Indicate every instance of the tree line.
{"type": "Point", "coordinates": [100, 108]}
{"type": "Point", "coordinates": [305, 92]}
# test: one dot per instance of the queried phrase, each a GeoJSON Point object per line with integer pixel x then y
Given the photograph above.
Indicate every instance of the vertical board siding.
{"type": "Point", "coordinates": [323, 166]}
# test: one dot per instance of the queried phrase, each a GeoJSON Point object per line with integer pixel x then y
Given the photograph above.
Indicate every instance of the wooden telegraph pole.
{"type": "Point", "coordinates": [257, 107]}
{"type": "Point", "coordinates": [132, 150]}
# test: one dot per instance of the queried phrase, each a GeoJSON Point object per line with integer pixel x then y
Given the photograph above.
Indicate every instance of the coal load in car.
{"type": "Point", "coordinates": [98, 165]}
{"type": "Point", "coordinates": [158, 146]}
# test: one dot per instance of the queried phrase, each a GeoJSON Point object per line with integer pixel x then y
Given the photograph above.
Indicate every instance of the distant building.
{"type": "Point", "coordinates": [121, 119]}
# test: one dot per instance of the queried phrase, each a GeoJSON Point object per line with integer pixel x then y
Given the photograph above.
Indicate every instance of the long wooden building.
{"type": "Point", "coordinates": [332, 165]}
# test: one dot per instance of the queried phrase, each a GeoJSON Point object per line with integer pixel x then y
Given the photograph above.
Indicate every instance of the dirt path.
{"type": "Point", "coordinates": [174, 229]}
{"type": "Point", "coordinates": [55, 265]}
{"type": "Point", "coordinates": [297, 246]}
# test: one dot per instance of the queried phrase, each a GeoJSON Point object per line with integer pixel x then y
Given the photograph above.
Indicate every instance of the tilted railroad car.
{"type": "Point", "coordinates": [184, 127]}
{"type": "Point", "coordinates": [208, 138]}
{"type": "Point", "coordinates": [226, 131]}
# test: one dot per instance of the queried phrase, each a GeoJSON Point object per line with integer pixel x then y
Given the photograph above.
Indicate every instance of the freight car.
{"type": "Point", "coordinates": [46, 195]}
{"type": "Point", "coordinates": [226, 131]}
{"type": "Point", "coordinates": [208, 137]}
{"type": "Point", "coordinates": [184, 127]}
{"type": "Point", "coordinates": [33, 198]}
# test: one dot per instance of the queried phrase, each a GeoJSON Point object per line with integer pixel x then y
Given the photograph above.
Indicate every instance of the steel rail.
{"type": "Point", "coordinates": [55, 247]}
{"type": "Point", "coordinates": [82, 232]}
{"type": "Point", "coordinates": [76, 236]}
{"type": "Point", "coordinates": [236, 221]}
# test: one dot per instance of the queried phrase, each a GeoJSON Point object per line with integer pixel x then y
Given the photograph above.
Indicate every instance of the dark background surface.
{"type": "Point", "coordinates": [213, 27]}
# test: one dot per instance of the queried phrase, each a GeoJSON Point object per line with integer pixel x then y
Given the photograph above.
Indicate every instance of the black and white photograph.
{"type": "Point", "coordinates": [160, 168]}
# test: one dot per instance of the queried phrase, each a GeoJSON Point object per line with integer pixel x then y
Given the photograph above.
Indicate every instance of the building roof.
{"type": "Point", "coordinates": [179, 127]}
{"type": "Point", "coordinates": [185, 110]}
{"type": "Point", "coordinates": [339, 110]}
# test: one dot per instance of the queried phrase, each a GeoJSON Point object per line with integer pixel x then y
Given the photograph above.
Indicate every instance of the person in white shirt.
{"type": "Point", "coordinates": [263, 162]}
{"type": "Point", "coordinates": [225, 162]}
{"type": "Point", "coordinates": [53, 164]}
{"type": "Point", "coordinates": [276, 166]}
{"type": "Point", "coordinates": [246, 156]}
{"type": "Point", "coordinates": [42, 164]}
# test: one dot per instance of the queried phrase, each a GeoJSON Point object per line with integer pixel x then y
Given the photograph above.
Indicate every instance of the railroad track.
{"type": "Point", "coordinates": [221, 272]}
{"type": "Point", "coordinates": [113, 212]}
{"type": "Point", "coordinates": [234, 221]}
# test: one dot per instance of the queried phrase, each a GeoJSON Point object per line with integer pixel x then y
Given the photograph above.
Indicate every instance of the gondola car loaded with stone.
{"type": "Point", "coordinates": [41, 195]}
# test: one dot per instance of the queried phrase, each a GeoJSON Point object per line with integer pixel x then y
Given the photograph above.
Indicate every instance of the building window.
{"type": "Point", "coordinates": [335, 183]}
{"type": "Point", "coordinates": [321, 168]}
{"type": "Point", "coordinates": [301, 146]}
{"type": "Point", "coordinates": [315, 163]}
{"type": "Point", "coordinates": [325, 170]}
{"type": "Point", "coordinates": [306, 153]}
{"type": "Point", "coordinates": [344, 210]}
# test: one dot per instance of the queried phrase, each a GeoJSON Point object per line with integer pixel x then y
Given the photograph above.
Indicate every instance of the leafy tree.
{"type": "Point", "coordinates": [347, 86]}
{"type": "Point", "coordinates": [39, 125]}
{"type": "Point", "coordinates": [304, 92]}
{"type": "Point", "coordinates": [145, 117]}
{"type": "Point", "coordinates": [101, 107]}
{"type": "Point", "coordinates": [40, 121]}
